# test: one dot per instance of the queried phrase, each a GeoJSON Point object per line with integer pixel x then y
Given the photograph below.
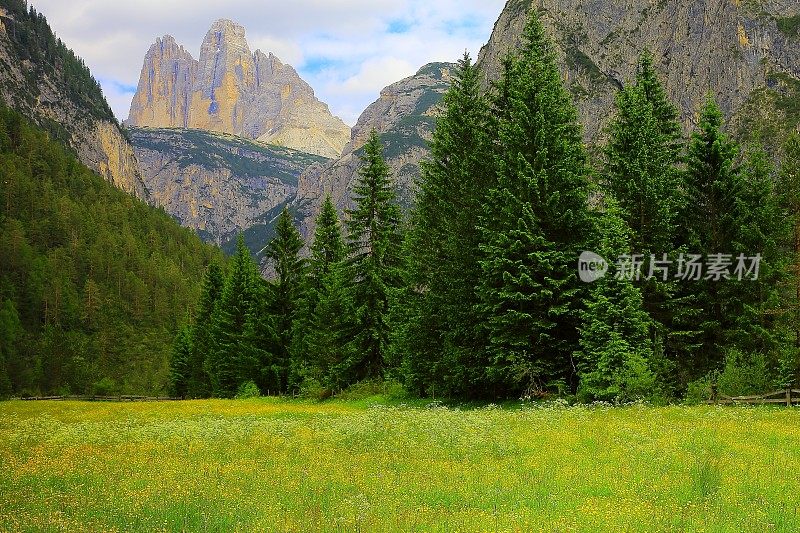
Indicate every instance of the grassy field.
{"type": "Point", "coordinates": [272, 465]}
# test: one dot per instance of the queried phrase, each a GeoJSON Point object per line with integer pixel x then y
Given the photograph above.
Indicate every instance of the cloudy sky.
{"type": "Point", "coordinates": [348, 50]}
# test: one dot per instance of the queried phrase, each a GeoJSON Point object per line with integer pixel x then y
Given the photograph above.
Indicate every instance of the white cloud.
{"type": "Point", "coordinates": [348, 50]}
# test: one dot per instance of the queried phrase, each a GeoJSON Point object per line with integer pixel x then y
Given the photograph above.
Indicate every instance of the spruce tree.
{"type": "Point", "coordinates": [261, 353]}
{"type": "Point", "coordinates": [444, 240]}
{"type": "Point", "coordinates": [762, 227]}
{"type": "Point", "coordinates": [615, 341]}
{"type": "Point", "coordinates": [789, 182]}
{"type": "Point", "coordinates": [317, 327]}
{"type": "Point", "coordinates": [534, 226]}
{"type": "Point", "coordinates": [238, 297]}
{"type": "Point", "coordinates": [329, 329]}
{"type": "Point", "coordinates": [664, 111]}
{"type": "Point", "coordinates": [11, 332]}
{"type": "Point", "coordinates": [203, 340]}
{"type": "Point", "coordinates": [179, 370]}
{"type": "Point", "coordinates": [373, 258]}
{"type": "Point", "coordinates": [287, 290]}
{"type": "Point", "coordinates": [328, 247]}
{"type": "Point", "coordinates": [714, 183]}
{"type": "Point", "coordinates": [641, 172]}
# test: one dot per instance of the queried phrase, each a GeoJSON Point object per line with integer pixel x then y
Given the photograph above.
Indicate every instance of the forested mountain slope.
{"type": "Point", "coordinates": [93, 282]}
{"type": "Point", "coordinates": [43, 79]}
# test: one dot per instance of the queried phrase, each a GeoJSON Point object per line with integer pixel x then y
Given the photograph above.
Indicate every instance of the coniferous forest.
{"type": "Point", "coordinates": [93, 283]}
{"type": "Point", "coordinates": [476, 293]}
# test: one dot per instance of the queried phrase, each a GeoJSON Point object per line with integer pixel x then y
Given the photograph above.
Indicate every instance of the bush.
{"type": "Point", "coordinates": [104, 387]}
{"type": "Point", "coordinates": [248, 389]}
{"type": "Point", "coordinates": [312, 389]}
{"type": "Point", "coordinates": [742, 375]}
{"type": "Point", "coordinates": [391, 390]}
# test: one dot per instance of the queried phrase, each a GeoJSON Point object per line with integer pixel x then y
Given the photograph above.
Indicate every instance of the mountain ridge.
{"type": "Point", "coordinates": [230, 89]}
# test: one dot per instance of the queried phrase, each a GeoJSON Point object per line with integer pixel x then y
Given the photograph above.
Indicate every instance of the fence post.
{"type": "Point", "coordinates": [788, 397]}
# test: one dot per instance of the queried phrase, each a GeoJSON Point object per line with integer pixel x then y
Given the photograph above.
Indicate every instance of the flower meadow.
{"type": "Point", "coordinates": [281, 465]}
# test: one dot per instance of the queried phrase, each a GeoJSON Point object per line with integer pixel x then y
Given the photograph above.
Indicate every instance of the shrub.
{"type": "Point", "coordinates": [741, 375]}
{"type": "Point", "coordinates": [104, 387]}
{"type": "Point", "coordinates": [312, 389]}
{"type": "Point", "coordinates": [248, 389]}
{"type": "Point", "coordinates": [362, 390]}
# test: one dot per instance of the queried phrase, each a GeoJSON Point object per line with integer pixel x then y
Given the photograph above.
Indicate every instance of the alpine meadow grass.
{"type": "Point", "coordinates": [279, 465]}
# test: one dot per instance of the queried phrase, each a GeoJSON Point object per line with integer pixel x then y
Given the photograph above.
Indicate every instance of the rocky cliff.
{"type": "Point", "coordinates": [404, 116]}
{"type": "Point", "coordinates": [219, 184]}
{"type": "Point", "coordinates": [743, 51]}
{"type": "Point", "coordinates": [229, 89]}
{"type": "Point", "coordinates": [45, 81]}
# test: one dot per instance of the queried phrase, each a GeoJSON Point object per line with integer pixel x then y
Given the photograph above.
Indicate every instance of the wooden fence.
{"type": "Point", "coordinates": [125, 398]}
{"type": "Point", "coordinates": [786, 397]}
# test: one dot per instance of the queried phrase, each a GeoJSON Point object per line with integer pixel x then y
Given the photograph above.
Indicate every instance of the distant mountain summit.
{"type": "Point", "coordinates": [233, 90]}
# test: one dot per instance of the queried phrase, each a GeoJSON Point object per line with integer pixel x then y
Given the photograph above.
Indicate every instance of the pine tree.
{"type": "Point", "coordinates": [315, 329]}
{"type": "Point", "coordinates": [288, 289]}
{"type": "Point", "coordinates": [179, 370]}
{"type": "Point", "coordinates": [261, 354]}
{"type": "Point", "coordinates": [642, 174]}
{"type": "Point", "coordinates": [238, 296]}
{"type": "Point", "coordinates": [11, 332]}
{"type": "Point", "coordinates": [203, 340]}
{"type": "Point", "coordinates": [762, 227]}
{"type": "Point", "coordinates": [615, 340]}
{"type": "Point", "coordinates": [328, 247]}
{"type": "Point", "coordinates": [534, 226]}
{"type": "Point", "coordinates": [789, 181]}
{"type": "Point", "coordinates": [373, 244]}
{"type": "Point", "coordinates": [329, 330]}
{"type": "Point", "coordinates": [713, 183]}
{"type": "Point", "coordinates": [664, 111]}
{"type": "Point", "coordinates": [442, 329]}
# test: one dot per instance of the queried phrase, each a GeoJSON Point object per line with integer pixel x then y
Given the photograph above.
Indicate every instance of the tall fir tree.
{"type": "Point", "coordinates": [287, 290]}
{"type": "Point", "coordinates": [615, 341]}
{"type": "Point", "coordinates": [664, 111]}
{"type": "Point", "coordinates": [374, 243]}
{"type": "Point", "coordinates": [203, 340]}
{"type": "Point", "coordinates": [642, 172]}
{"type": "Point", "coordinates": [534, 226]}
{"type": "Point", "coordinates": [11, 333]}
{"type": "Point", "coordinates": [179, 369]}
{"type": "Point", "coordinates": [328, 248]}
{"type": "Point", "coordinates": [714, 183]}
{"type": "Point", "coordinates": [443, 325]}
{"type": "Point", "coordinates": [237, 299]}
{"type": "Point", "coordinates": [789, 182]}
{"type": "Point", "coordinates": [762, 228]}
{"type": "Point", "coordinates": [316, 337]}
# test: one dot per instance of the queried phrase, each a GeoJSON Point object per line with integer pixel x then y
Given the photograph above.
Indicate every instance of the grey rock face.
{"type": "Point", "coordinates": [404, 116]}
{"type": "Point", "coordinates": [218, 184]}
{"type": "Point", "coordinates": [729, 47]}
{"type": "Point", "coordinates": [43, 96]}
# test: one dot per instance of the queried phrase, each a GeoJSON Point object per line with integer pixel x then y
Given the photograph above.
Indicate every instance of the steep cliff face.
{"type": "Point", "coordinates": [731, 47]}
{"type": "Point", "coordinates": [219, 184]}
{"type": "Point", "coordinates": [231, 90]}
{"type": "Point", "coordinates": [404, 116]}
{"type": "Point", "coordinates": [43, 80]}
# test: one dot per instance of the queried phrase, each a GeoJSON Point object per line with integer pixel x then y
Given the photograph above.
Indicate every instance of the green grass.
{"type": "Point", "coordinates": [273, 465]}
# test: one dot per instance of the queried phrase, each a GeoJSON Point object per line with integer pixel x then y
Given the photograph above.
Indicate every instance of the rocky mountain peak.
{"type": "Point", "coordinates": [230, 89]}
